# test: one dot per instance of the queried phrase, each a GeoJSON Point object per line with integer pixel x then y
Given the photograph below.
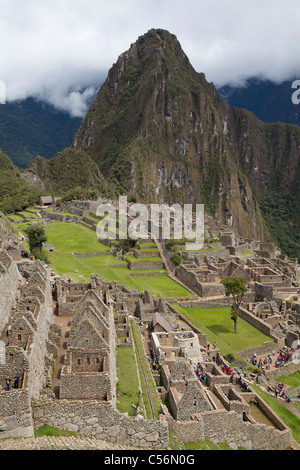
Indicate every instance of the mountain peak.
{"type": "Point", "coordinates": [161, 133]}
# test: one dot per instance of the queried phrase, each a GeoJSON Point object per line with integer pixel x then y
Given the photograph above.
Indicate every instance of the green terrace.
{"type": "Point", "coordinates": [69, 239]}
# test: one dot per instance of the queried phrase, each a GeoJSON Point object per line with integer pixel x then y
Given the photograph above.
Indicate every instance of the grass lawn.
{"type": "Point", "coordinates": [143, 366]}
{"type": "Point", "coordinates": [47, 430]}
{"type": "Point", "coordinates": [292, 380]}
{"type": "Point", "coordinates": [29, 215]}
{"type": "Point", "coordinates": [15, 217]}
{"type": "Point", "coordinates": [128, 385]}
{"type": "Point", "coordinates": [218, 326]}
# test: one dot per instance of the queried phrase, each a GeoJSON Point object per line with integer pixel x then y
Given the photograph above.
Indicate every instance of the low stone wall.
{"type": "Point", "coordinates": [102, 421]}
{"type": "Point", "coordinates": [59, 217]}
{"type": "Point", "coordinates": [15, 414]}
{"type": "Point", "coordinates": [145, 254]}
{"type": "Point", "coordinates": [145, 264]}
{"type": "Point", "coordinates": [87, 255]}
{"type": "Point", "coordinates": [255, 321]}
{"type": "Point", "coordinates": [287, 369]}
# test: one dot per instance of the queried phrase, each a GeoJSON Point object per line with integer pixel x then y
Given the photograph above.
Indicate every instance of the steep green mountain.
{"type": "Point", "coordinates": [15, 192]}
{"type": "Point", "coordinates": [161, 132]}
{"type": "Point", "coordinates": [69, 170]}
{"type": "Point", "coordinates": [30, 127]}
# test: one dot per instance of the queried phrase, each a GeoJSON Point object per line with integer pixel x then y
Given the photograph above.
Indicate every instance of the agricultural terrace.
{"type": "Point", "coordinates": [70, 238]}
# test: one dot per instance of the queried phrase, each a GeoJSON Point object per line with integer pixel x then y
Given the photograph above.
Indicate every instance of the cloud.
{"type": "Point", "coordinates": [54, 49]}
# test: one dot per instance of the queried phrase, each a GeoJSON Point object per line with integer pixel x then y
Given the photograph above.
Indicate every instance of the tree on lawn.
{"type": "Point", "coordinates": [236, 286]}
{"type": "Point", "coordinates": [36, 237]}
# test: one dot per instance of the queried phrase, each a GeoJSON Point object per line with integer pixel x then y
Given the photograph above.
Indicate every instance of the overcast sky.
{"type": "Point", "coordinates": [53, 48]}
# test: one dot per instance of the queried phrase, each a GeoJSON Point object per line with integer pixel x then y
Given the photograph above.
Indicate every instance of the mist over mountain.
{"type": "Point", "coordinates": [269, 101]}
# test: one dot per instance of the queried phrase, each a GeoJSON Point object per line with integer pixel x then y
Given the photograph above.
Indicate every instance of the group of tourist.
{"type": "Point", "coordinates": [280, 392]}
{"type": "Point", "coordinates": [242, 383]}
{"type": "Point", "coordinates": [283, 358]}
{"type": "Point", "coordinates": [201, 374]}
{"type": "Point", "coordinates": [8, 382]}
{"type": "Point", "coordinates": [25, 254]}
{"type": "Point", "coordinates": [266, 362]}
{"type": "Point", "coordinates": [153, 360]}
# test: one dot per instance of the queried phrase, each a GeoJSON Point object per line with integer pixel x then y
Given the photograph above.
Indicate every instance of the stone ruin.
{"type": "Point", "coordinates": [202, 273]}
{"type": "Point", "coordinates": [30, 340]}
{"type": "Point", "coordinates": [99, 312]}
{"type": "Point", "coordinates": [86, 370]}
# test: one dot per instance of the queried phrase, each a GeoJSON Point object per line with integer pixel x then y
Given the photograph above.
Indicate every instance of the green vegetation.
{"type": "Point", "coordinates": [282, 216]}
{"type": "Point", "coordinates": [34, 128]}
{"type": "Point", "coordinates": [216, 324]}
{"type": "Point", "coordinates": [235, 286]}
{"type": "Point", "coordinates": [47, 430]}
{"type": "Point", "coordinates": [150, 396]}
{"type": "Point", "coordinates": [292, 380]}
{"type": "Point", "coordinates": [71, 238]}
{"type": "Point", "coordinates": [36, 236]}
{"type": "Point", "coordinates": [15, 193]}
{"type": "Point", "coordinates": [128, 385]}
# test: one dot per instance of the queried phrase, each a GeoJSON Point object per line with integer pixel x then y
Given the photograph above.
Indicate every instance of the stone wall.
{"type": "Point", "coordinates": [84, 386]}
{"type": "Point", "coordinates": [145, 264]}
{"type": "Point", "coordinates": [102, 421]}
{"type": "Point", "coordinates": [16, 420]}
{"type": "Point", "coordinates": [255, 321]}
{"type": "Point", "coordinates": [59, 216]}
{"type": "Point", "coordinates": [31, 361]}
{"type": "Point", "coordinates": [191, 280]}
{"type": "Point", "coordinates": [145, 253]}
{"type": "Point", "coordinates": [228, 426]}
{"type": "Point", "coordinates": [9, 284]}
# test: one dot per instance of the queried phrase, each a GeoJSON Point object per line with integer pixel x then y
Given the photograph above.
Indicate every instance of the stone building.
{"type": "Point", "coordinates": [86, 370]}
{"type": "Point", "coordinates": [30, 345]}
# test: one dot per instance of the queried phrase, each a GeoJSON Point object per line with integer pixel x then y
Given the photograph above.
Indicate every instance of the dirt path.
{"type": "Point", "coordinates": [64, 323]}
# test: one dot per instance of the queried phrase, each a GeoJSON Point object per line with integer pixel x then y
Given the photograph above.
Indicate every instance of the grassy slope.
{"type": "Point", "coordinates": [15, 192]}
